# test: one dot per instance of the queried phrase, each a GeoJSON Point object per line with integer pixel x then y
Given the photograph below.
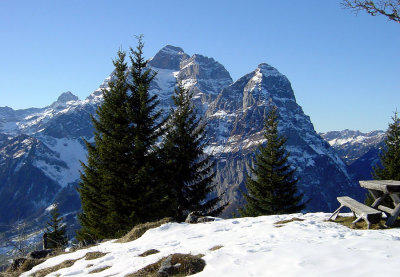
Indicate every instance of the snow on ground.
{"type": "Point", "coordinates": [252, 247]}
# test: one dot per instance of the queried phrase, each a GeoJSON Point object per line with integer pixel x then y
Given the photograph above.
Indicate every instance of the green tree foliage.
{"type": "Point", "coordinates": [188, 170]}
{"type": "Point", "coordinates": [55, 230]}
{"type": "Point", "coordinates": [390, 155]}
{"type": "Point", "coordinates": [274, 189]}
{"type": "Point", "coordinates": [121, 184]}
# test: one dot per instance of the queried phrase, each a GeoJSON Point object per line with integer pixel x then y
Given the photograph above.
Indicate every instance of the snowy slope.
{"type": "Point", "coordinates": [251, 247]}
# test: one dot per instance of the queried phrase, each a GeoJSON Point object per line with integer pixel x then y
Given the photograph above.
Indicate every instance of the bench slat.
{"type": "Point", "coordinates": [385, 209]}
{"type": "Point", "coordinates": [370, 214]}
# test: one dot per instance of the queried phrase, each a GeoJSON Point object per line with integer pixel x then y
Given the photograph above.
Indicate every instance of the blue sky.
{"type": "Point", "coordinates": [344, 68]}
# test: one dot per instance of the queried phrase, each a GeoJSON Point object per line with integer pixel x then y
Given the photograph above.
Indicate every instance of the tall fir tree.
{"type": "Point", "coordinates": [390, 155]}
{"type": "Point", "coordinates": [120, 184]}
{"type": "Point", "coordinates": [274, 189]}
{"type": "Point", "coordinates": [55, 230]}
{"type": "Point", "coordinates": [105, 152]}
{"type": "Point", "coordinates": [188, 170]}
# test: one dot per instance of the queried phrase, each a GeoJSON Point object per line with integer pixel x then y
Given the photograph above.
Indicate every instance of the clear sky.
{"type": "Point", "coordinates": [344, 68]}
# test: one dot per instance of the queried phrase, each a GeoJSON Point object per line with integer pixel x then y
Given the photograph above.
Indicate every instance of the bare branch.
{"type": "Point", "coordinates": [388, 8]}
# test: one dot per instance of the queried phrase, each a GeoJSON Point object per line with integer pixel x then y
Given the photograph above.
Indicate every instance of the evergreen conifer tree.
{"type": "Point", "coordinates": [188, 170]}
{"type": "Point", "coordinates": [120, 184]}
{"type": "Point", "coordinates": [274, 190]}
{"type": "Point", "coordinates": [56, 232]}
{"type": "Point", "coordinates": [390, 156]}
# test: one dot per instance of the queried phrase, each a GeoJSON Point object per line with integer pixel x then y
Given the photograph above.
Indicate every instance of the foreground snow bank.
{"type": "Point", "coordinates": [251, 247]}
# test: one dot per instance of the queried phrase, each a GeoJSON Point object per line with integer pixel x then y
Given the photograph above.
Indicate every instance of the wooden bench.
{"type": "Point", "coordinates": [361, 211]}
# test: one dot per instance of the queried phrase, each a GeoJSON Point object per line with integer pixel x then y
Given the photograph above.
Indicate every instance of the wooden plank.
{"type": "Point", "coordinates": [356, 206]}
{"type": "Point", "coordinates": [369, 214]}
{"type": "Point", "coordinates": [385, 209]}
{"type": "Point", "coordinates": [387, 186]}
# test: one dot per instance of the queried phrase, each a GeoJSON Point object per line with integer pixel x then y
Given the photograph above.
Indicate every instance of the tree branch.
{"type": "Point", "coordinates": [388, 8]}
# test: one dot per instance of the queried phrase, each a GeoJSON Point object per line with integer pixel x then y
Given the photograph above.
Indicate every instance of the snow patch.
{"type": "Point", "coordinates": [71, 153]}
{"type": "Point", "coordinates": [312, 247]}
{"type": "Point", "coordinates": [51, 207]}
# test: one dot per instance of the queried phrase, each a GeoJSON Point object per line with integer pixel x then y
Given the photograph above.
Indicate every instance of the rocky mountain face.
{"type": "Point", "coordinates": [359, 150]}
{"type": "Point", "coordinates": [236, 124]}
{"type": "Point", "coordinates": [40, 149]}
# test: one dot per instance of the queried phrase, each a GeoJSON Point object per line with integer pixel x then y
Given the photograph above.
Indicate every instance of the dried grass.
{"type": "Point", "coordinates": [361, 225]}
{"type": "Point", "coordinates": [27, 265]}
{"type": "Point", "coordinates": [45, 271]}
{"type": "Point", "coordinates": [94, 255]}
{"type": "Point", "coordinates": [184, 265]}
{"type": "Point", "coordinates": [149, 252]}
{"type": "Point", "coordinates": [288, 220]}
{"type": "Point", "coordinates": [140, 229]}
{"type": "Point", "coordinates": [216, 247]}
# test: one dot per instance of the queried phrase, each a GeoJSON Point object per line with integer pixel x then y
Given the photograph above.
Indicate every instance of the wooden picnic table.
{"type": "Point", "coordinates": [385, 189]}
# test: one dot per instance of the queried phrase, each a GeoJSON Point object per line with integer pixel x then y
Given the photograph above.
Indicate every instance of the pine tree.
{"type": "Point", "coordinates": [56, 231]}
{"type": "Point", "coordinates": [120, 184]}
{"type": "Point", "coordinates": [274, 190]}
{"type": "Point", "coordinates": [102, 174]}
{"type": "Point", "coordinates": [390, 156]}
{"type": "Point", "coordinates": [188, 170]}
{"type": "Point", "coordinates": [146, 196]}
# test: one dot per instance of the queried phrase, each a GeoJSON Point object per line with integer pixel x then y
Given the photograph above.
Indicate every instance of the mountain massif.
{"type": "Point", "coordinates": [41, 149]}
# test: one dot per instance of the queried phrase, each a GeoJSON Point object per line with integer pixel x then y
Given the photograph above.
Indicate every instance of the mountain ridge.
{"type": "Point", "coordinates": [359, 150]}
{"type": "Point", "coordinates": [234, 112]}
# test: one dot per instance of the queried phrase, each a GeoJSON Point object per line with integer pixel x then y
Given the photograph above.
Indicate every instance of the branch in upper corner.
{"type": "Point", "coordinates": [388, 8]}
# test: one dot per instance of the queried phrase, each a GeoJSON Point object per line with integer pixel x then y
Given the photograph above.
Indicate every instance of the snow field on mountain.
{"type": "Point", "coordinates": [71, 152]}
{"type": "Point", "coordinates": [251, 247]}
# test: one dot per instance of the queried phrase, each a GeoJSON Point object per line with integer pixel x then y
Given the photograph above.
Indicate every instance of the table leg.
{"type": "Point", "coordinates": [393, 216]}
{"type": "Point", "coordinates": [378, 198]}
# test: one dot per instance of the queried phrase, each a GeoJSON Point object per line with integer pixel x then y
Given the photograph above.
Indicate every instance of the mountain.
{"type": "Point", "coordinates": [40, 148]}
{"type": "Point", "coordinates": [359, 150]}
{"type": "Point", "coordinates": [236, 121]}
{"type": "Point", "coordinates": [352, 145]}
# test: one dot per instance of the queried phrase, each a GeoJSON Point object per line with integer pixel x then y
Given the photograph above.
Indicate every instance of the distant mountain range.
{"type": "Point", "coordinates": [359, 150]}
{"type": "Point", "coordinates": [41, 148]}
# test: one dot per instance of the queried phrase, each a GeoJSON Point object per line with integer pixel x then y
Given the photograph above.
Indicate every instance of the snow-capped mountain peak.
{"type": "Point", "coordinates": [66, 97]}
{"type": "Point", "coordinates": [268, 70]}
{"type": "Point", "coordinates": [359, 150]}
{"type": "Point", "coordinates": [169, 57]}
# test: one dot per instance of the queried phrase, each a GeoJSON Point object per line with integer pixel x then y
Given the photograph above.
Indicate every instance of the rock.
{"type": "Point", "coordinates": [193, 217]}
{"type": "Point", "coordinates": [39, 254]}
{"type": "Point", "coordinates": [166, 268]}
{"type": "Point", "coordinates": [197, 217]}
{"type": "Point", "coordinates": [16, 264]}
{"type": "Point", "coordinates": [205, 219]}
